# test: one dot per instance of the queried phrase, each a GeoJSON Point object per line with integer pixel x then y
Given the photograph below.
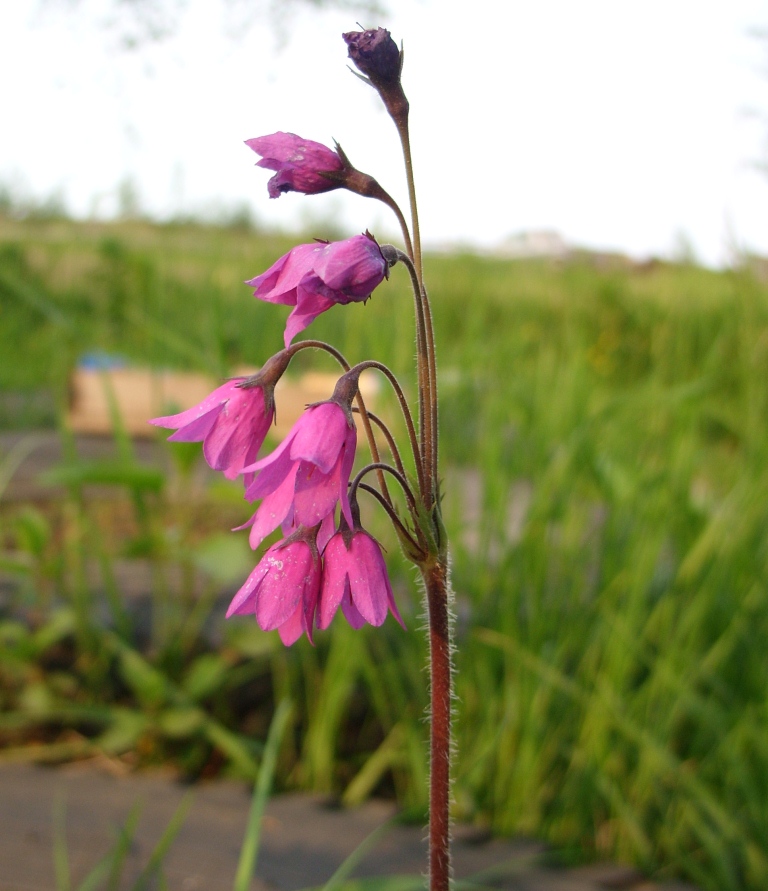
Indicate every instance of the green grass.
{"type": "Point", "coordinates": [605, 447]}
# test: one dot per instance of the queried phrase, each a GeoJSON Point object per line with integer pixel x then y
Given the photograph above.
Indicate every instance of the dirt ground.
{"type": "Point", "coordinates": [304, 840]}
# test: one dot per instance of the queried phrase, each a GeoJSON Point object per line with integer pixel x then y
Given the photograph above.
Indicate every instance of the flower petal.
{"type": "Point", "coordinates": [283, 585]}
{"type": "Point", "coordinates": [212, 400]}
{"type": "Point", "coordinates": [244, 602]}
{"type": "Point", "coordinates": [292, 629]}
{"type": "Point", "coordinates": [272, 511]}
{"type": "Point", "coordinates": [351, 613]}
{"type": "Point", "coordinates": [335, 559]}
{"type": "Point", "coordinates": [315, 493]}
{"type": "Point", "coordinates": [320, 434]}
{"type": "Point", "coordinates": [369, 585]}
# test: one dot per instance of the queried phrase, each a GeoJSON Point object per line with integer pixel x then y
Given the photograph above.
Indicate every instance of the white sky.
{"type": "Point", "coordinates": [622, 125]}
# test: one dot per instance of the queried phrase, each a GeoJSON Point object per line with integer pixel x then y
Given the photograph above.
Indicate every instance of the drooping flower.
{"type": "Point", "coordinates": [307, 475]}
{"type": "Point", "coordinates": [231, 422]}
{"type": "Point", "coordinates": [314, 277]}
{"type": "Point", "coordinates": [301, 164]}
{"type": "Point", "coordinates": [355, 578]}
{"type": "Point", "coordinates": [282, 590]}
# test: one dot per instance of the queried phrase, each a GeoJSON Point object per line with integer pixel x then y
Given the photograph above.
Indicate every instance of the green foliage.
{"type": "Point", "coordinates": [605, 442]}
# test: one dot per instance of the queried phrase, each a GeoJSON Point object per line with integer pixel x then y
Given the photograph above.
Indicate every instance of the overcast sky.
{"type": "Point", "coordinates": [621, 125]}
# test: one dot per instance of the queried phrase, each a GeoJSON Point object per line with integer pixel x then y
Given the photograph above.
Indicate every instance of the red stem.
{"type": "Point", "coordinates": [436, 582]}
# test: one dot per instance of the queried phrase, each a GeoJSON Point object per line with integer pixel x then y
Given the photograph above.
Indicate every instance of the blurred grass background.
{"type": "Point", "coordinates": [604, 435]}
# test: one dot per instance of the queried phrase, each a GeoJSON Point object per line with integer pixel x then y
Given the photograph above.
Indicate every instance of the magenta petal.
{"type": "Point", "coordinates": [212, 400]}
{"type": "Point", "coordinates": [395, 611]}
{"type": "Point", "coordinates": [192, 431]}
{"type": "Point", "coordinates": [325, 532]}
{"type": "Point", "coordinates": [315, 493]}
{"type": "Point", "coordinates": [273, 510]}
{"type": "Point", "coordinates": [334, 580]}
{"type": "Point", "coordinates": [265, 283]}
{"type": "Point", "coordinates": [320, 434]}
{"type": "Point", "coordinates": [236, 437]}
{"type": "Point", "coordinates": [347, 463]}
{"type": "Point", "coordinates": [244, 602]}
{"type": "Point", "coordinates": [288, 525]}
{"type": "Point", "coordinates": [311, 595]}
{"type": "Point", "coordinates": [309, 305]}
{"type": "Point", "coordinates": [351, 613]}
{"type": "Point", "coordinates": [292, 629]}
{"type": "Point", "coordinates": [282, 587]}
{"type": "Point", "coordinates": [279, 283]}
{"type": "Point", "coordinates": [272, 472]}
{"type": "Point", "coordinates": [284, 147]}
{"type": "Point", "coordinates": [355, 266]}
{"type": "Point", "coordinates": [368, 580]}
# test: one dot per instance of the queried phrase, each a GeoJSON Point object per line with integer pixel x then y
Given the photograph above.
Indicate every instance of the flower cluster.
{"type": "Point", "coordinates": [299, 583]}
{"type": "Point", "coordinates": [325, 559]}
{"type": "Point", "coordinates": [306, 576]}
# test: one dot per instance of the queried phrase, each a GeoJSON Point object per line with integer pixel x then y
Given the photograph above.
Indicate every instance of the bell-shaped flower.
{"type": "Point", "coordinates": [313, 277]}
{"type": "Point", "coordinates": [355, 578]}
{"type": "Point", "coordinates": [231, 422]}
{"type": "Point", "coordinates": [301, 164]}
{"type": "Point", "coordinates": [282, 590]}
{"type": "Point", "coordinates": [302, 481]}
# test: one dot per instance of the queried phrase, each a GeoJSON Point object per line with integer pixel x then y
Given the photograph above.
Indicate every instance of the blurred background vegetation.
{"type": "Point", "coordinates": [605, 454]}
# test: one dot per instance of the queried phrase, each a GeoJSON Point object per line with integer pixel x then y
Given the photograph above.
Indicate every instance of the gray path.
{"type": "Point", "coordinates": [303, 841]}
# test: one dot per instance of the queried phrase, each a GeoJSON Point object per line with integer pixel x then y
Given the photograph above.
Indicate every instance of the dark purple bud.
{"type": "Point", "coordinates": [375, 54]}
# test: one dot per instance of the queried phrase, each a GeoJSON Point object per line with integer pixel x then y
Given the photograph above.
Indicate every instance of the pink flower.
{"type": "Point", "coordinates": [282, 590]}
{"type": "Point", "coordinates": [308, 473]}
{"type": "Point", "coordinates": [232, 423]}
{"type": "Point", "coordinates": [300, 164]}
{"type": "Point", "coordinates": [314, 277]}
{"type": "Point", "coordinates": [355, 578]}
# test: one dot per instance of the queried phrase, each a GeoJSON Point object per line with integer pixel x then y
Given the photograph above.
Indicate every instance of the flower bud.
{"type": "Point", "coordinates": [377, 57]}
{"type": "Point", "coordinates": [375, 54]}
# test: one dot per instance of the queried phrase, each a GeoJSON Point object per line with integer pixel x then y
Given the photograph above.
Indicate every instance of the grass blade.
{"type": "Point", "coordinates": [261, 791]}
{"type": "Point", "coordinates": [60, 853]}
{"type": "Point", "coordinates": [152, 868]}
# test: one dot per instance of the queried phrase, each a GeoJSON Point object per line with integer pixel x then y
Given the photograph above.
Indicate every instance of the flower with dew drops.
{"type": "Point", "coordinates": [314, 277]}
{"type": "Point", "coordinates": [232, 423]}
{"type": "Point", "coordinates": [355, 578]}
{"type": "Point", "coordinates": [301, 164]}
{"type": "Point", "coordinates": [282, 590]}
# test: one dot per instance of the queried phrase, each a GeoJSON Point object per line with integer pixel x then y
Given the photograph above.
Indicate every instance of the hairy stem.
{"type": "Point", "coordinates": [387, 372]}
{"type": "Point", "coordinates": [432, 364]}
{"type": "Point", "coordinates": [427, 376]}
{"type": "Point", "coordinates": [382, 466]}
{"type": "Point", "coordinates": [437, 589]}
{"type": "Point", "coordinates": [395, 207]}
{"type": "Point", "coordinates": [405, 141]}
{"type": "Point", "coordinates": [390, 440]}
